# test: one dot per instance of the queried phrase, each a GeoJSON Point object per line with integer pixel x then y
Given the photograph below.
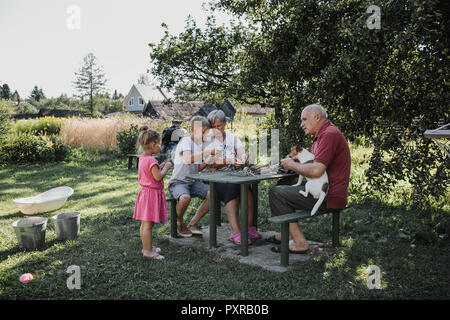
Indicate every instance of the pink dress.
{"type": "Point", "coordinates": [151, 200]}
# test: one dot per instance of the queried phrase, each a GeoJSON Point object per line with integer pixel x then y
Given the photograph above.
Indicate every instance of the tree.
{"type": "Point", "coordinates": [143, 79]}
{"type": "Point", "coordinates": [115, 96]}
{"type": "Point", "coordinates": [389, 84]}
{"type": "Point", "coordinates": [37, 94]}
{"type": "Point", "coordinates": [16, 97]}
{"type": "Point", "coordinates": [90, 80]}
{"type": "Point", "coordinates": [6, 92]}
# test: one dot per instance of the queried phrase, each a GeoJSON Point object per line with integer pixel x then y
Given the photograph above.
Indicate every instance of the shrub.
{"type": "Point", "coordinates": [30, 148]}
{"type": "Point", "coordinates": [5, 123]}
{"type": "Point", "coordinates": [127, 140]}
{"type": "Point", "coordinates": [40, 126]}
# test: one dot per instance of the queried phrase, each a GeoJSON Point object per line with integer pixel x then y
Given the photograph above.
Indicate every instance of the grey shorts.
{"type": "Point", "coordinates": [194, 189]}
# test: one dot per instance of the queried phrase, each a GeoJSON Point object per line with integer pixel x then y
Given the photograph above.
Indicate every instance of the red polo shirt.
{"type": "Point", "coordinates": [331, 149]}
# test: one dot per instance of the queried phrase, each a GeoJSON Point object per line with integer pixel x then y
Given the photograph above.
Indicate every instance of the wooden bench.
{"type": "Point", "coordinates": [285, 219]}
{"type": "Point", "coordinates": [173, 216]}
{"type": "Point", "coordinates": [130, 160]}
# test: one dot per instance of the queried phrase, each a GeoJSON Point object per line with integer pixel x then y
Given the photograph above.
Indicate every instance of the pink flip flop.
{"type": "Point", "coordinates": [253, 233]}
{"type": "Point", "coordinates": [236, 239]}
{"type": "Point", "coordinates": [155, 256]}
{"type": "Point", "coordinates": [154, 249]}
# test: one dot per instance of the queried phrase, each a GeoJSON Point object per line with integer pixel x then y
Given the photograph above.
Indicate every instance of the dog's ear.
{"type": "Point", "coordinates": [298, 148]}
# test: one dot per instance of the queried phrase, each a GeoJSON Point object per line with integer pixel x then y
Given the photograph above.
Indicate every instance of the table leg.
{"type": "Point", "coordinates": [218, 212]}
{"type": "Point", "coordinates": [255, 204]}
{"type": "Point", "coordinates": [212, 215]}
{"type": "Point", "coordinates": [244, 219]}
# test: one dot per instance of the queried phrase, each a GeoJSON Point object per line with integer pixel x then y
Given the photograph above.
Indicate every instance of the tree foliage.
{"type": "Point", "coordinates": [388, 84]}
{"type": "Point", "coordinates": [90, 80]}
{"type": "Point", "coordinates": [5, 92]}
{"type": "Point", "coordinates": [37, 94]}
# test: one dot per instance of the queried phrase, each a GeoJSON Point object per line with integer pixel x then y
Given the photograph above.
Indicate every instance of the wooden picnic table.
{"type": "Point", "coordinates": [244, 182]}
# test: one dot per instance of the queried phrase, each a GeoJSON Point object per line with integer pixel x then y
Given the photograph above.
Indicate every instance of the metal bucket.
{"type": "Point", "coordinates": [67, 225]}
{"type": "Point", "coordinates": [30, 232]}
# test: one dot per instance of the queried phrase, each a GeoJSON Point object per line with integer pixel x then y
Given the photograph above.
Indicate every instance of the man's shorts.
{"type": "Point", "coordinates": [194, 189]}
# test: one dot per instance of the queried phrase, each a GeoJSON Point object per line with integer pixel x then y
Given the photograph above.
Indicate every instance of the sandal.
{"type": "Point", "coordinates": [278, 250]}
{"type": "Point", "coordinates": [253, 233]}
{"type": "Point", "coordinates": [273, 240]}
{"type": "Point", "coordinates": [155, 256]}
{"type": "Point", "coordinates": [154, 249]}
{"type": "Point", "coordinates": [236, 239]}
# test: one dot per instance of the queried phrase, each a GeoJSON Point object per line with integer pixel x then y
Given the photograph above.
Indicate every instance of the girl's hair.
{"type": "Point", "coordinates": [147, 136]}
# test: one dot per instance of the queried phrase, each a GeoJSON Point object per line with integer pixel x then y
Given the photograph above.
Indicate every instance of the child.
{"type": "Point", "coordinates": [150, 205]}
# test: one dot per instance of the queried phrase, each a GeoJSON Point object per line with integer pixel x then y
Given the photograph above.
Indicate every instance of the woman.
{"type": "Point", "coordinates": [230, 151]}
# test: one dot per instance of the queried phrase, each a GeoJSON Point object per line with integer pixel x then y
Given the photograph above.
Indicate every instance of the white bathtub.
{"type": "Point", "coordinates": [48, 201]}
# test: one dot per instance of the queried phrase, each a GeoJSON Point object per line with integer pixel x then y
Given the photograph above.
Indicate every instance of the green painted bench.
{"type": "Point", "coordinates": [173, 216]}
{"type": "Point", "coordinates": [285, 219]}
{"type": "Point", "coordinates": [130, 160]}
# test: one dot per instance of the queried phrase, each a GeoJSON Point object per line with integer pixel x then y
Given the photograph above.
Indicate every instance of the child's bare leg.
{"type": "Point", "coordinates": [146, 236]}
{"type": "Point", "coordinates": [182, 204]}
{"type": "Point", "coordinates": [201, 211]}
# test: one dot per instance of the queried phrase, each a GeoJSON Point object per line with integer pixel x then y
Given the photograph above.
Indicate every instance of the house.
{"type": "Point", "coordinates": [140, 94]}
{"type": "Point", "coordinates": [156, 102]}
{"type": "Point", "coordinates": [255, 111]}
{"type": "Point", "coordinates": [171, 111]}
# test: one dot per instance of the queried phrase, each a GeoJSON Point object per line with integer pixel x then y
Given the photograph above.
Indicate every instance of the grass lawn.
{"type": "Point", "coordinates": [108, 249]}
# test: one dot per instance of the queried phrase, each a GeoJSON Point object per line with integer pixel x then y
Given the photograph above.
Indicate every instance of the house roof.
{"type": "Point", "coordinates": [179, 111]}
{"type": "Point", "coordinates": [255, 109]}
{"type": "Point", "coordinates": [152, 92]}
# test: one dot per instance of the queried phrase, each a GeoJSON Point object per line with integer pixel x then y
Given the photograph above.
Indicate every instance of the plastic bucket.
{"type": "Point", "coordinates": [67, 225]}
{"type": "Point", "coordinates": [30, 232]}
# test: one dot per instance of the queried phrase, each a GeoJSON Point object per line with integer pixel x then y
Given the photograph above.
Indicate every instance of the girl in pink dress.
{"type": "Point", "coordinates": [150, 205]}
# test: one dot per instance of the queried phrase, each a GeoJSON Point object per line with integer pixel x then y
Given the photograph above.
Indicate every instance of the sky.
{"type": "Point", "coordinates": [43, 42]}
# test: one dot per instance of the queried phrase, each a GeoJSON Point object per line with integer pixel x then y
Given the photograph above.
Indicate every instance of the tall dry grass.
{"type": "Point", "coordinates": [100, 134]}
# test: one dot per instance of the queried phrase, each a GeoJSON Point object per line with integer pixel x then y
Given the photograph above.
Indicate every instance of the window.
{"type": "Point", "coordinates": [131, 101]}
{"type": "Point", "coordinates": [141, 101]}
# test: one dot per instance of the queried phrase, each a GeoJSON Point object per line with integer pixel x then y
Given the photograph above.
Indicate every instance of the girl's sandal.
{"type": "Point", "coordinates": [154, 249]}
{"type": "Point", "coordinates": [154, 255]}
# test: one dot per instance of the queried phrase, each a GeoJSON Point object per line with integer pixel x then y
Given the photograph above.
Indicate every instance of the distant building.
{"type": "Point", "coordinates": [256, 111]}
{"type": "Point", "coordinates": [140, 94]}
{"type": "Point", "coordinates": [157, 103]}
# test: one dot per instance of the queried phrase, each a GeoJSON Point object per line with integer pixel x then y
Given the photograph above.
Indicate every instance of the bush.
{"type": "Point", "coordinates": [40, 126]}
{"type": "Point", "coordinates": [127, 140]}
{"type": "Point", "coordinates": [30, 148]}
{"type": "Point", "coordinates": [5, 123]}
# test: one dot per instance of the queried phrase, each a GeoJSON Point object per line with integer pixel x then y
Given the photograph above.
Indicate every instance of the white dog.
{"type": "Point", "coordinates": [318, 187]}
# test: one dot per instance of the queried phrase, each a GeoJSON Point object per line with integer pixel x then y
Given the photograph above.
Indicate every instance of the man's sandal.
{"type": "Point", "coordinates": [273, 240]}
{"type": "Point", "coordinates": [278, 250]}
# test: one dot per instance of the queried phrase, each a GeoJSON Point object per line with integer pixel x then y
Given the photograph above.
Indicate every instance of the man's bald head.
{"type": "Point", "coordinates": [313, 117]}
{"type": "Point", "coordinates": [316, 109]}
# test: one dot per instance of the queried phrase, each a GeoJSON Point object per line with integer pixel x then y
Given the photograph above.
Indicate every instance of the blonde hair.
{"type": "Point", "coordinates": [146, 136]}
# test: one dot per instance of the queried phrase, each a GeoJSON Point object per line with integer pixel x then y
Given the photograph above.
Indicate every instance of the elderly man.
{"type": "Point", "coordinates": [332, 155]}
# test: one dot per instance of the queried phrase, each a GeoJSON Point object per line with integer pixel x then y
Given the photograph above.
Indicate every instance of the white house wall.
{"type": "Point", "coordinates": [133, 94]}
